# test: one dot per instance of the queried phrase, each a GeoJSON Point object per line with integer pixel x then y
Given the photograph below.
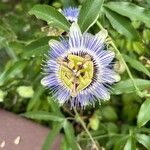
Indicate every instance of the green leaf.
{"type": "Point", "coordinates": [68, 3]}
{"type": "Point", "coordinates": [51, 136]}
{"type": "Point", "coordinates": [17, 46]}
{"type": "Point", "coordinates": [12, 71]}
{"type": "Point", "coordinates": [144, 140]}
{"type": "Point", "coordinates": [136, 65]}
{"type": "Point", "coordinates": [143, 116]}
{"type": "Point", "coordinates": [6, 30]}
{"type": "Point", "coordinates": [127, 86]}
{"type": "Point", "coordinates": [64, 145]}
{"type": "Point", "coordinates": [138, 47]}
{"type": "Point", "coordinates": [130, 145]}
{"type": "Point", "coordinates": [106, 111]}
{"type": "Point", "coordinates": [54, 106]}
{"type": "Point", "coordinates": [25, 91]}
{"type": "Point", "coordinates": [50, 15]}
{"type": "Point", "coordinates": [70, 137]}
{"type": "Point", "coordinates": [43, 115]}
{"type": "Point", "coordinates": [38, 92]}
{"type": "Point", "coordinates": [131, 11]}
{"type": "Point", "coordinates": [89, 13]}
{"type": "Point", "coordinates": [112, 128]}
{"type": "Point", "coordinates": [121, 24]}
{"type": "Point", "coordinates": [37, 47]}
{"type": "Point", "coordinates": [120, 142]}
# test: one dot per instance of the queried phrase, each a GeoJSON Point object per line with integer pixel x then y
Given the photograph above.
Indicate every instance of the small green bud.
{"type": "Point", "coordinates": [25, 91]}
{"type": "Point", "coordinates": [56, 5]}
{"type": "Point", "coordinates": [2, 95]}
{"type": "Point", "coordinates": [119, 67]}
{"type": "Point", "coordinates": [94, 122]}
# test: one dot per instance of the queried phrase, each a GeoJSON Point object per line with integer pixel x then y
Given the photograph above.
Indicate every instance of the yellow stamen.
{"type": "Point", "coordinates": [76, 73]}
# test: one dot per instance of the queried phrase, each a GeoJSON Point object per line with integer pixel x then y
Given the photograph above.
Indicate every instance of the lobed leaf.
{"type": "Point", "coordinates": [11, 72]}
{"type": "Point", "coordinates": [69, 134]}
{"type": "Point", "coordinates": [127, 86]}
{"type": "Point", "coordinates": [144, 140]}
{"type": "Point", "coordinates": [33, 101]}
{"type": "Point", "coordinates": [89, 13]}
{"type": "Point", "coordinates": [54, 106]}
{"type": "Point", "coordinates": [143, 116]}
{"type": "Point", "coordinates": [43, 115]}
{"type": "Point", "coordinates": [119, 144]}
{"type": "Point", "coordinates": [50, 15]}
{"type": "Point", "coordinates": [51, 136]}
{"type": "Point", "coordinates": [136, 65]}
{"type": "Point", "coordinates": [130, 144]}
{"type": "Point", "coordinates": [121, 24]}
{"type": "Point", "coordinates": [130, 10]}
{"type": "Point", "coordinates": [37, 47]}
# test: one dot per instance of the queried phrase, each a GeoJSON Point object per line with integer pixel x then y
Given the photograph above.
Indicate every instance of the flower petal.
{"type": "Point", "coordinates": [75, 36]}
{"type": "Point", "coordinates": [62, 95]}
{"type": "Point", "coordinates": [64, 42]}
{"type": "Point", "coordinates": [106, 57]}
{"type": "Point", "coordinates": [83, 99]}
{"type": "Point", "coordinates": [50, 80]}
{"type": "Point", "coordinates": [57, 49]}
{"type": "Point", "coordinates": [110, 76]}
{"type": "Point", "coordinates": [100, 92]}
{"type": "Point", "coordinates": [92, 43]}
{"type": "Point", "coordinates": [52, 65]}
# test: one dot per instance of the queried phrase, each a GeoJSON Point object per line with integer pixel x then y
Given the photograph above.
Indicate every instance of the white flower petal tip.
{"type": "Point", "coordinates": [107, 98]}
{"type": "Point", "coordinates": [112, 53]}
{"type": "Point", "coordinates": [117, 77]}
{"type": "Point", "coordinates": [103, 35]}
{"type": "Point", "coordinates": [51, 42]}
{"type": "Point", "coordinates": [75, 27]}
{"type": "Point", "coordinates": [44, 82]}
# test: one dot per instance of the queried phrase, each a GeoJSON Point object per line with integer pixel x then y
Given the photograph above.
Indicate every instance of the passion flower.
{"type": "Point", "coordinates": [71, 13]}
{"type": "Point", "coordinates": [78, 69]}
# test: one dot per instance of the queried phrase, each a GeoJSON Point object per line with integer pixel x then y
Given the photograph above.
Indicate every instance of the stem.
{"type": "Point", "coordinates": [70, 118]}
{"type": "Point", "coordinates": [67, 111]}
{"type": "Point", "coordinates": [84, 126]}
{"type": "Point", "coordinates": [103, 136]}
{"type": "Point", "coordinates": [79, 147]}
{"type": "Point", "coordinates": [11, 53]}
{"type": "Point", "coordinates": [123, 61]}
{"type": "Point", "coordinates": [127, 68]}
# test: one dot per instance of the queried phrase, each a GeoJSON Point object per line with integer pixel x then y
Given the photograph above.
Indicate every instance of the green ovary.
{"type": "Point", "coordinates": [76, 73]}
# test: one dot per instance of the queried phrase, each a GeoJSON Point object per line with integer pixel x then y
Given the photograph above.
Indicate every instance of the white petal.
{"type": "Point", "coordinates": [75, 36]}
{"type": "Point", "coordinates": [106, 57]}
{"type": "Point", "coordinates": [102, 35]}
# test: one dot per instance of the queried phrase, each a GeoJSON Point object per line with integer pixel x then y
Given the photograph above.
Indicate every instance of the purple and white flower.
{"type": "Point", "coordinates": [78, 69]}
{"type": "Point", "coordinates": [71, 13]}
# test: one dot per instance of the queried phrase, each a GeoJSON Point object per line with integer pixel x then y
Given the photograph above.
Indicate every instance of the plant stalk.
{"type": "Point", "coordinates": [85, 128]}
{"type": "Point", "coordinates": [123, 61]}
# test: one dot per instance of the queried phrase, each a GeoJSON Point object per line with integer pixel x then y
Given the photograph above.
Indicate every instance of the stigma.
{"type": "Point", "coordinates": [76, 72]}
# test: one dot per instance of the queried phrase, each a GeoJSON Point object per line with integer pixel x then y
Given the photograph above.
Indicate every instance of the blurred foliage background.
{"type": "Point", "coordinates": [122, 122]}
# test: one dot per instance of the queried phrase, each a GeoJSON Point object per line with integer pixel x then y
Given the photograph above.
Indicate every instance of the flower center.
{"type": "Point", "coordinates": [76, 72]}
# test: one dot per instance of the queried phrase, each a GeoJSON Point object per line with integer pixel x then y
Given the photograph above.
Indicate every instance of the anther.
{"type": "Point", "coordinates": [60, 60]}
{"type": "Point", "coordinates": [70, 65]}
{"type": "Point", "coordinates": [87, 58]}
{"type": "Point", "coordinates": [74, 90]}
